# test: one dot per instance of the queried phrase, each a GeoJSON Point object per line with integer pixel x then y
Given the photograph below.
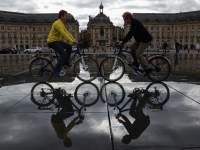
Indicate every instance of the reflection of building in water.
{"type": "Point", "coordinates": [12, 64]}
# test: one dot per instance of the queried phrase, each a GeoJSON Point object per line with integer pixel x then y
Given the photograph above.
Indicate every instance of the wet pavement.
{"type": "Point", "coordinates": [99, 115]}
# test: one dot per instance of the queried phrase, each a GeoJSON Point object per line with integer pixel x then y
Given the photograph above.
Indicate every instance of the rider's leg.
{"type": "Point", "coordinates": [68, 48]}
{"type": "Point", "coordinates": [60, 50]}
{"type": "Point", "coordinates": [139, 53]}
{"type": "Point", "coordinates": [133, 48]}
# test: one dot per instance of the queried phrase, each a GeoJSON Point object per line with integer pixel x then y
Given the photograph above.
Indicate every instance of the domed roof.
{"type": "Point", "coordinates": [101, 18]}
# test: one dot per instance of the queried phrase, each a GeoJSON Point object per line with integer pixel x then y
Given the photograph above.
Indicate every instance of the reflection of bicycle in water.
{"type": "Point", "coordinates": [85, 68]}
{"type": "Point", "coordinates": [113, 93]}
{"type": "Point", "coordinates": [43, 94]}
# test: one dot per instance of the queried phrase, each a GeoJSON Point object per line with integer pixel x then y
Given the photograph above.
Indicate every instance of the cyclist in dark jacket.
{"type": "Point", "coordinates": [142, 40]}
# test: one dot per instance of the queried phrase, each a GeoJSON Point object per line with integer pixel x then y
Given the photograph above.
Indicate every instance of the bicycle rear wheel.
{"type": "Point", "coordinates": [161, 68]}
{"type": "Point", "coordinates": [87, 94]}
{"type": "Point", "coordinates": [40, 69]}
{"type": "Point", "coordinates": [160, 93]}
{"type": "Point", "coordinates": [113, 93]}
{"type": "Point", "coordinates": [112, 69]}
{"type": "Point", "coordinates": [42, 94]}
{"type": "Point", "coordinates": [86, 69]}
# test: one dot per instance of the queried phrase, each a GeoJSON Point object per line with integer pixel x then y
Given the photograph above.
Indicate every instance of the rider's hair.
{"type": "Point", "coordinates": [61, 13]}
{"type": "Point", "coordinates": [127, 15]}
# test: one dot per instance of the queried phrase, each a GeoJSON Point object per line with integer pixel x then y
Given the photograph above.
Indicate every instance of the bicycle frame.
{"type": "Point", "coordinates": [136, 96]}
{"type": "Point", "coordinates": [121, 52]}
{"type": "Point", "coordinates": [77, 52]}
{"type": "Point", "coordinates": [57, 105]}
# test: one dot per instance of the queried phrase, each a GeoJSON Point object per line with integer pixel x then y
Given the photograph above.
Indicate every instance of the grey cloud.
{"type": "Point", "coordinates": [19, 6]}
{"type": "Point", "coordinates": [46, 7]}
{"type": "Point", "coordinates": [83, 16]}
{"type": "Point", "coordinates": [58, 4]}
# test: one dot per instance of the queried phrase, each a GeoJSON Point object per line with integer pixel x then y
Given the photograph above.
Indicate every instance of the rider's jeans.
{"type": "Point", "coordinates": [138, 49]}
{"type": "Point", "coordinates": [59, 47]}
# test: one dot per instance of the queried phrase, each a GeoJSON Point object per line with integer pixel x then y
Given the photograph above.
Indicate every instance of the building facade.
{"type": "Point", "coordinates": [21, 30]}
{"type": "Point", "coordinates": [100, 31]}
{"type": "Point", "coordinates": [183, 27]}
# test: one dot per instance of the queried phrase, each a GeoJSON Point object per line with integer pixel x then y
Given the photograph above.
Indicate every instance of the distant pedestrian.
{"type": "Point", "coordinates": [164, 46]}
{"type": "Point", "coordinates": [177, 50]}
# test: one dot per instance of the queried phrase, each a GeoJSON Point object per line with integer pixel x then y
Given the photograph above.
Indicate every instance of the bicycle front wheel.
{"type": "Point", "coordinates": [86, 94]}
{"type": "Point", "coordinates": [42, 94]}
{"type": "Point", "coordinates": [113, 93]}
{"type": "Point", "coordinates": [86, 69]}
{"type": "Point", "coordinates": [161, 68]}
{"type": "Point", "coordinates": [112, 69]}
{"type": "Point", "coordinates": [40, 69]}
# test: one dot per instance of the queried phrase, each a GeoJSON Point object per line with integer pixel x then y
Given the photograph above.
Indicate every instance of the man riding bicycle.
{"type": "Point", "coordinates": [58, 30]}
{"type": "Point", "coordinates": [142, 40]}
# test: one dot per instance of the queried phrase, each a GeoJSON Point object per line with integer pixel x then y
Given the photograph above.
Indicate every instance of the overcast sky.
{"type": "Point", "coordinates": [81, 9]}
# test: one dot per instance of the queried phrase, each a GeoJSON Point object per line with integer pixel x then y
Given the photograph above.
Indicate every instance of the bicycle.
{"type": "Point", "coordinates": [85, 68]}
{"type": "Point", "coordinates": [112, 68]}
{"type": "Point", "coordinates": [115, 96]}
{"type": "Point", "coordinates": [86, 94]}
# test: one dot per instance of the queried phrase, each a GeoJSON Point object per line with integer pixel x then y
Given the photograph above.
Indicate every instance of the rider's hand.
{"type": "Point", "coordinates": [120, 43]}
{"type": "Point", "coordinates": [75, 42]}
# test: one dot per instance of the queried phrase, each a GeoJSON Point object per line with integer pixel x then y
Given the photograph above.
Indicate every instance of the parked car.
{"type": "Point", "coordinates": [8, 51]}
{"type": "Point", "coordinates": [33, 50]}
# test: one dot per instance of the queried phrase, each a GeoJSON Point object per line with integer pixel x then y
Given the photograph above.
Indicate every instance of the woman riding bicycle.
{"type": "Point", "coordinates": [142, 41]}
{"type": "Point", "coordinates": [58, 30]}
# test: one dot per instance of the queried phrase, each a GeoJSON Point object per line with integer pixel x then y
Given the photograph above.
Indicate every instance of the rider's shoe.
{"type": "Point", "coordinates": [56, 73]}
{"type": "Point", "coordinates": [135, 72]}
{"type": "Point", "coordinates": [148, 71]}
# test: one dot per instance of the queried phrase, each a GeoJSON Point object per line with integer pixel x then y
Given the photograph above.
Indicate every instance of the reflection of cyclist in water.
{"type": "Point", "coordinates": [141, 122]}
{"type": "Point", "coordinates": [57, 120]}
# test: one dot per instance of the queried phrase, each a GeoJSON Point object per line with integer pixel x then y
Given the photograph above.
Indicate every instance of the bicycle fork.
{"type": "Point", "coordinates": [115, 64]}
{"type": "Point", "coordinates": [85, 67]}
